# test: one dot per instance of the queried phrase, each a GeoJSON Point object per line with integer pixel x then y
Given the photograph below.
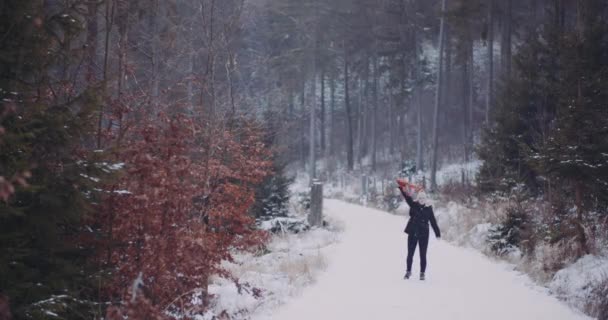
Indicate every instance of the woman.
{"type": "Point", "coordinates": [417, 227]}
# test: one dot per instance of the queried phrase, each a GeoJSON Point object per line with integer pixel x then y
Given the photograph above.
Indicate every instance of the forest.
{"type": "Point", "coordinates": [142, 141]}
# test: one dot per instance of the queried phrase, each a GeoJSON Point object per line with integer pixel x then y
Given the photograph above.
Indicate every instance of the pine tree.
{"type": "Point", "coordinates": [512, 232]}
{"type": "Point", "coordinates": [45, 118]}
{"type": "Point", "coordinates": [550, 135]}
{"type": "Point", "coordinates": [520, 114]}
{"type": "Point", "coordinates": [272, 195]}
{"type": "Point", "coordinates": [575, 153]}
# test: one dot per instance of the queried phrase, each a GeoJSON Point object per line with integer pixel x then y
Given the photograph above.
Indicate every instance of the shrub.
{"type": "Point", "coordinates": [176, 216]}
{"type": "Point", "coordinates": [512, 232]}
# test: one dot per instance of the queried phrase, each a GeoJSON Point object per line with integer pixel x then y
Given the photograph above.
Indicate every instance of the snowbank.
{"type": "Point", "coordinates": [577, 284]}
{"type": "Point", "coordinates": [290, 263]}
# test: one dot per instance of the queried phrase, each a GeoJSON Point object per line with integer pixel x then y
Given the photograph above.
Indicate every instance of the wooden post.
{"type": "Point", "coordinates": [315, 217]}
{"type": "Point", "coordinates": [364, 185]}
{"type": "Point", "coordinates": [374, 187]}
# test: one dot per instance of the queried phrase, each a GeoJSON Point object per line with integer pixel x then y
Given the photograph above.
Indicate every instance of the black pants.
{"type": "Point", "coordinates": [412, 241]}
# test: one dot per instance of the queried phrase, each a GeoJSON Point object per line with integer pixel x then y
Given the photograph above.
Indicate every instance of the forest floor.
{"type": "Point", "coordinates": [364, 279]}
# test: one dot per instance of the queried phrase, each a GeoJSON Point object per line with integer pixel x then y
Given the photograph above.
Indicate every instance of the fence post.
{"type": "Point", "coordinates": [375, 186]}
{"type": "Point", "coordinates": [315, 217]}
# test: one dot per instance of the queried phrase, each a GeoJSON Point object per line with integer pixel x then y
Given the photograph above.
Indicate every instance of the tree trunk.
{"type": "Point", "coordinates": [290, 106]}
{"type": "Point", "coordinates": [92, 31]}
{"type": "Point", "coordinates": [466, 105]}
{"type": "Point", "coordinates": [419, 137]}
{"type": "Point", "coordinates": [447, 52]}
{"type": "Point", "coordinates": [292, 134]}
{"type": "Point", "coordinates": [405, 44]}
{"type": "Point", "coordinates": [313, 98]}
{"type": "Point", "coordinates": [123, 43]}
{"type": "Point", "coordinates": [190, 85]}
{"type": "Point", "coordinates": [322, 115]}
{"type": "Point", "coordinates": [490, 81]}
{"type": "Point", "coordinates": [154, 43]}
{"type": "Point", "coordinates": [374, 111]}
{"type": "Point", "coordinates": [313, 107]}
{"type": "Point", "coordinates": [332, 114]}
{"type": "Point", "coordinates": [582, 237]}
{"type": "Point", "coordinates": [438, 99]}
{"type": "Point", "coordinates": [363, 106]}
{"type": "Point", "coordinates": [418, 90]}
{"type": "Point", "coordinates": [109, 8]}
{"type": "Point", "coordinates": [582, 19]}
{"type": "Point", "coordinates": [471, 99]}
{"type": "Point", "coordinates": [506, 40]}
{"type": "Point", "coordinates": [400, 134]}
{"type": "Point", "coordinates": [391, 143]}
{"type": "Point", "coordinates": [347, 107]}
{"type": "Point", "coordinates": [303, 126]}
{"type": "Point", "coordinates": [446, 100]}
{"type": "Point", "coordinates": [360, 124]}
{"type": "Point", "coordinates": [123, 20]}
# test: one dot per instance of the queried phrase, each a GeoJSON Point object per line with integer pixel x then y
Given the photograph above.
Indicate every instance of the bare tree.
{"type": "Point", "coordinates": [438, 99]}
{"type": "Point", "coordinates": [490, 83]}
{"type": "Point", "coordinates": [349, 118]}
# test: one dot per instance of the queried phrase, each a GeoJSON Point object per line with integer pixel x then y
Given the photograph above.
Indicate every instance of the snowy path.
{"type": "Point", "coordinates": [364, 279]}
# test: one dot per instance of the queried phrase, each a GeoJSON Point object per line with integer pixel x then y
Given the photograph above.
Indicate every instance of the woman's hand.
{"type": "Point", "coordinates": [402, 183]}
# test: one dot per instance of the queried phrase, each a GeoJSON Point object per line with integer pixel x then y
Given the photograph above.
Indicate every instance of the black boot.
{"type": "Point", "coordinates": [407, 275]}
{"type": "Point", "coordinates": [421, 275]}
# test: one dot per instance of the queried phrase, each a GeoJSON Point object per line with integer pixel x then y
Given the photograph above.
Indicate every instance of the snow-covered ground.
{"type": "Point", "coordinates": [353, 268]}
{"type": "Point", "coordinates": [363, 279]}
{"type": "Point", "coordinates": [290, 263]}
{"type": "Point", "coordinates": [576, 283]}
{"type": "Point", "coordinates": [579, 283]}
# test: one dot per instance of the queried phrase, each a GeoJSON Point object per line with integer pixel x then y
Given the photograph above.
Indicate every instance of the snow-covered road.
{"type": "Point", "coordinates": [364, 279]}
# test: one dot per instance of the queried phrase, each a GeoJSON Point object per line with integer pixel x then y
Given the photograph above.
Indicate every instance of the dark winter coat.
{"type": "Point", "coordinates": [420, 217]}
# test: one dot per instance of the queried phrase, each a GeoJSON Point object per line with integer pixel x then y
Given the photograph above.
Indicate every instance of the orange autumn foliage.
{"type": "Point", "coordinates": [179, 209]}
